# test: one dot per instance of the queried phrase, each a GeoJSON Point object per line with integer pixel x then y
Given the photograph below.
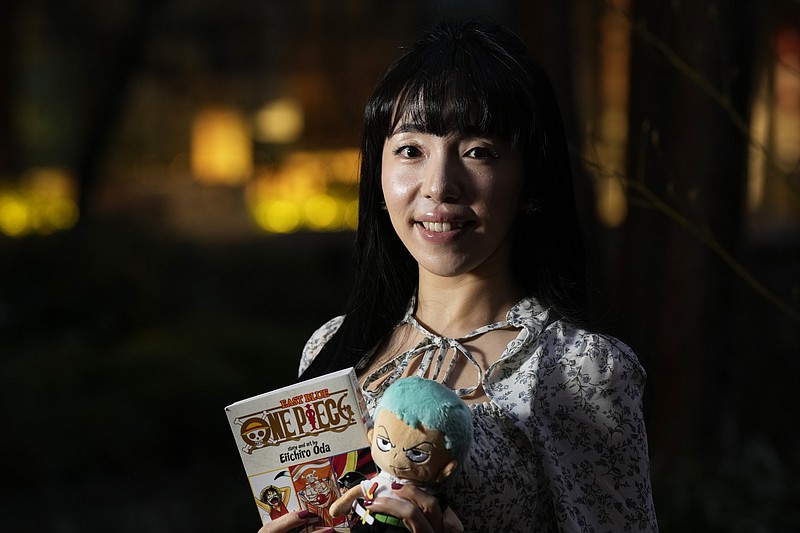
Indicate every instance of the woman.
{"type": "Point", "coordinates": [470, 272]}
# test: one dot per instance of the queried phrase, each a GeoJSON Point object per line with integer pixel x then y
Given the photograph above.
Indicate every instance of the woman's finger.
{"type": "Point", "coordinates": [289, 522]}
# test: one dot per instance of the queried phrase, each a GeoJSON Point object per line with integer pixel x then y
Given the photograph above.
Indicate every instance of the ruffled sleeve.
{"type": "Point", "coordinates": [317, 341]}
{"type": "Point", "coordinates": [586, 420]}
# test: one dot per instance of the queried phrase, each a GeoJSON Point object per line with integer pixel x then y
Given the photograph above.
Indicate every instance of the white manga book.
{"type": "Point", "coordinates": [303, 445]}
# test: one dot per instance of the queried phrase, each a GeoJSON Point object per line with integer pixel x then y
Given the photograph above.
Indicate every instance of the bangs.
{"type": "Point", "coordinates": [455, 90]}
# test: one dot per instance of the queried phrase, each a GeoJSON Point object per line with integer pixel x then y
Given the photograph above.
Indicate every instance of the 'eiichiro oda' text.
{"type": "Point", "coordinates": [296, 455]}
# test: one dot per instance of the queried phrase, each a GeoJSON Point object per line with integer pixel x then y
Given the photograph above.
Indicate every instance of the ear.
{"type": "Point", "coordinates": [446, 470]}
{"type": "Point", "coordinates": [369, 435]}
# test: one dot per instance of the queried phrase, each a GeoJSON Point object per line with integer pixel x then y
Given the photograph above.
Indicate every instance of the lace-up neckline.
{"type": "Point", "coordinates": [431, 352]}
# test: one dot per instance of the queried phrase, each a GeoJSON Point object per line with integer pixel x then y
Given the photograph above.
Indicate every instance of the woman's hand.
{"type": "Point", "coordinates": [292, 522]}
{"type": "Point", "coordinates": [419, 511]}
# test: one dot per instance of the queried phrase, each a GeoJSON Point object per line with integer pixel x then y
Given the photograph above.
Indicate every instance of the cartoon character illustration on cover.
{"type": "Point", "coordinates": [274, 499]}
{"type": "Point", "coordinates": [316, 488]}
{"type": "Point", "coordinates": [422, 431]}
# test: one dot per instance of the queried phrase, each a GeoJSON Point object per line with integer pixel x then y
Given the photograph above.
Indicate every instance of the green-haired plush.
{"type": "Point", "coordinates": [422, 431]}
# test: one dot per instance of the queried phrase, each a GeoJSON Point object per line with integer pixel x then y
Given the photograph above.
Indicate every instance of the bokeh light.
{"type": "Point", "coordinates": [308, 190]}
{"type": "Point", "coordinates": [42, 202]}
{"type": "Point", "coordinates": [222, 148]}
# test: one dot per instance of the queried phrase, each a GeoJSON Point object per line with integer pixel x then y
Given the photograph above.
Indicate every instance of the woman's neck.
{"type": "Point", "coordinates": [454, 307]}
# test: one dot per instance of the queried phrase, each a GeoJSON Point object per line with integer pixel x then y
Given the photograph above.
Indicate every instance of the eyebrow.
{"type": "Point", "coordinates": [432, 445]}
{"type": "Point", "coordinates": [408, 127]}
{"type": "Point", "coordinates": [413, 127]}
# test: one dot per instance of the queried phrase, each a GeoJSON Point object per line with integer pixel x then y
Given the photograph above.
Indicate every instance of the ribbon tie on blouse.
{"type": "Point", "coordinates": [433, 350]}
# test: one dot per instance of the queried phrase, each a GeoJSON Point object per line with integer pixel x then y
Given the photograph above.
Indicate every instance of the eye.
{"type": "Point", "coordinates": [383, 444]}
{"type": "Point", "coordinates": [408, 151]}
{"type": "Point", "coordinates": [415, 455]}
{"type": "Point", "coordinates": [482, 152]}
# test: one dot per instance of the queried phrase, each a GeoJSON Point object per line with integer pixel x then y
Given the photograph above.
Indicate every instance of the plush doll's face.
{"type": "Point", "coordinates": [418, 454]}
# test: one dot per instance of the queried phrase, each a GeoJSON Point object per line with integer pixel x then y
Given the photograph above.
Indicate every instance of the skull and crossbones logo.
{"type": "Point", "coordinates": [255, 433]}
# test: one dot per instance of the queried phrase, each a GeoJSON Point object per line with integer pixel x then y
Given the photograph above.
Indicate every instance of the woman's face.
{"type": "Point", "coordinates": [453, 200]}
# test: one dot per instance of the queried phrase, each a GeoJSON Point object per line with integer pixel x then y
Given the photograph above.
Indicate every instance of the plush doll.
{"type": "Point", "coordinates": [421, 432]}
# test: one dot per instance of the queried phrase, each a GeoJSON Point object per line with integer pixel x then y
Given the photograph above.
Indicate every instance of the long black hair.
{"type": "Point", "coordinates": [468, 77]}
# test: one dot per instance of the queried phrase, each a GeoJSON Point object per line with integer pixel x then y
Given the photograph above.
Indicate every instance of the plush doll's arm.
{"type": "Point", "coordinates": [343, 504]}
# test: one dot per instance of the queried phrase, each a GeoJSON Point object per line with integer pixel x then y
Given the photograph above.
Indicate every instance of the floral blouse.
{"type": "Point", "coordinates": [561, 443]}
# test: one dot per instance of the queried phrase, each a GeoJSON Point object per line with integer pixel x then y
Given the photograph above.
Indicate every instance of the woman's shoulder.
{"type": "Point", "coordinates": [318, 340]}
{"type": "Point", "coordinates": [566, 362]}
{"type": "Point", "coordinates": [552, 341]}
{"type": "Point", "coordinates": [569, 346]}
{"type": "Point", "coordinates": [570, 378]}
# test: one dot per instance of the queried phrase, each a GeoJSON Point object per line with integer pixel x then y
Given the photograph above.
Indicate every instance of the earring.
{"type": "Point", "coordinates": [383, 206]}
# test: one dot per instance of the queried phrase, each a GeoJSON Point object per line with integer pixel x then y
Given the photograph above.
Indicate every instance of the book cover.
{"type": "Point", "coordinates": [303, 445]}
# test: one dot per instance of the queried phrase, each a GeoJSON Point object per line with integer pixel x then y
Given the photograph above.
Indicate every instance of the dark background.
{"type": "Point", "coordinates": [123, 337]}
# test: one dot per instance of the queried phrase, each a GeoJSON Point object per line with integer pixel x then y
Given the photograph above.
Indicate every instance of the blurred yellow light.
{"type": "Point", "coordinates": [280, 121]}
{"type": "Point", "coordinates": [344, 165]}
{"type": "Point", "coordinates": [277, 216]}
{"type": "Point", "coordinates": [44, 201]}
{"type": "Point", "coordinates": [14, 215]}
{"type": "Point", "coordinates": [318, 185]}
{"type": "Point", "coordinates": [322, 212]}
{"type": "Point", "coordinates": [610, 144]}
{"type": "Point", "coordinates": [54, 215]}
{"type": "Point", "coordinates": [49, 194]}
{"type": "Point", "coordinates": [775, 151]}
{"type": "Point", "coordinates": [222, 151]}
{"type": "Point", "coordinates": [49, 183]}
{"type": "Point", "coordinates": [351, 215]}
{"type": "Point", "coordinates": [612, 204]}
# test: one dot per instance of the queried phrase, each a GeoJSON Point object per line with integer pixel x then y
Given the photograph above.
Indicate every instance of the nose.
{"type": "Point", "coordinates": [442, 178]}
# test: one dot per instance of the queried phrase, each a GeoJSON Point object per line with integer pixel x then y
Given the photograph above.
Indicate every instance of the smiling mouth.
{"type": "Point", "coordinates": [441, 227]}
